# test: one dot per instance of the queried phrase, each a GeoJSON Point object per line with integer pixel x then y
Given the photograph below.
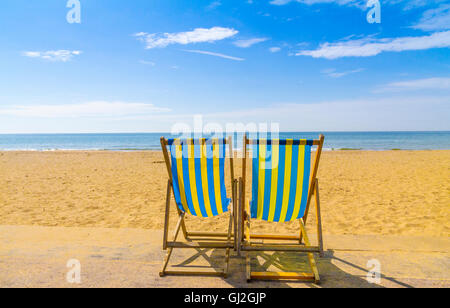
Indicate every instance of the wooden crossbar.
{"type": "Point", "coordinates": [200, 245]}
{"type": "Point", "coordinates": [282, 276]}
{"type": "Point", "coordinates": [265, 247]}
{"type": "Point", "coordinates": [274, 237]}
{"type": "Point", "coordinates": [195, 273]}
{"type": "Point", "coordinates": [209, 234]}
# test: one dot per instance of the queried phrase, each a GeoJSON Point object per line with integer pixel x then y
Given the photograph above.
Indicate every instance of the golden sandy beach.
{"type": "Point", "coordinates": [362, 192]}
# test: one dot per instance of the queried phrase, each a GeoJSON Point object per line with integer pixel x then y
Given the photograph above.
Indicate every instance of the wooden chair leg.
{"type": "Point", "coordinates": [248, 269]}
{"type": "Point", "coordinates": [183, 226]}
{"type": "Point", "coordinates": [240, 220]}
{"type": "Point", "coordinates": [247, 239]}
{"type": "Point", "coordinates": [235, 215]}
{"type": "Point", "coordinates": [312, 261]}
{"type": "Point", "coordinates": [162, 273]}
{"type": "Point", "coordinates": [230, 225]}
{"type": "Point", "coordinates": [319, 219]}
{"type": "Point", "coordinates": [227, 263]}
{"type": "Point", "coordinates": [170, 250]}
{"type": "Point", "coordinates": [167, 215]}
{"type": "Point", "coordinates": [227, 252]}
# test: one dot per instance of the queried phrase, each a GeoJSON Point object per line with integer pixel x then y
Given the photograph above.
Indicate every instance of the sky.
{"type": "Point", "coordinates": [150, 66]}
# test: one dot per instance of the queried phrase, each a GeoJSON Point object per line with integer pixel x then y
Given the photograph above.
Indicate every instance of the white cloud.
{"type": "Point", "coordinates": [53, 55]}
{"type": "Point", "coordinates": [334, 74]}
{"type": "Point", "coordinates": [418, 84]}
{"type": "Point", "coordinates": [274, 49]}
{"type": "Point", "coordinates": [250, 42]}
{"type": "Point", "coordinates": [215, 54]}
{"type": "Point", "coordinates": [199, 35]}
{"type": "Point", "coordinates": [435, 19]}
{"type": "Point", "coordinates": [371, 47]}
{"type": "Point", "coordinates": [89, 109]}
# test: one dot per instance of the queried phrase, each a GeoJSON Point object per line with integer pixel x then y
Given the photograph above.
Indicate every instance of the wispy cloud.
{"type": "Point", "coordinates": [199, 35]}
{"type": "Point", "coordinates": [147, 62]}
{"type": "Point", "coordinates": [437, 83]}
{"type": "Point", "coordinates": [335, 74]}
{"type": "Point", "coordinates": [215, 54]}
{"type": "Point", "coordinates": [435, 19]}
{"type": "Point", "coordinates": [53, 55]}
{"type": "Point", "coordinates": [274, 49]}
{"type": "Point", "coordinates": [356, 3]}
{"type": "Point", "coordinates": [361, 4]}
{"type": "Point", "coordinates": [413, 4]}
{"type": "Point", "coordinates": [366, 113]}
{"type": "Point", "coordinates": [368, 47]}
{"type": "Point", "coordinates": [213, 5]}
{"type": "Point", "coordinates": [250, 42]}
{"type": "Point", "coordinates": [89, 109]}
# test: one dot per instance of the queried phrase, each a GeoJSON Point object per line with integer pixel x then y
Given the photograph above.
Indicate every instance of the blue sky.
{"type": "Point", "coordinates": [144, 66]}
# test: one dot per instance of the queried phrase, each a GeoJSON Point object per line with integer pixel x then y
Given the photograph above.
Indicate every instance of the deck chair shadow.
{"type": "Point", "coordinates": [196, 169]}
{"type": "Point", "coordinates": [283, 185]}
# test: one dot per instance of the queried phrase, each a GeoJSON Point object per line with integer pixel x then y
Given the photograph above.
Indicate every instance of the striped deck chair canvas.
{"type": "Point", "coordinates": [283, 183]}
{"type": "Point", "coordinates": [196, 169]}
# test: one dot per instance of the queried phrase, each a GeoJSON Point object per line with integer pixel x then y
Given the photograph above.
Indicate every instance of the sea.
{"type": "Point", "coordinates": [378, 141]}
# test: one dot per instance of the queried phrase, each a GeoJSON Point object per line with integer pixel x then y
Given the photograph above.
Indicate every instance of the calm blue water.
{"type": "Point", "coordinates": [130, 142]}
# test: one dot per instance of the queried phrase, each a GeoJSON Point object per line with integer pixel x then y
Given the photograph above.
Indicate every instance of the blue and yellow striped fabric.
{"type": "Point", "coordinates": [198, 173]}
{"type": "Point", "coordinates": [280, 179]}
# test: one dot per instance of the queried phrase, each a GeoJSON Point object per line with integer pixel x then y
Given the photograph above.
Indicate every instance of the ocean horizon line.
{"type": "Point", "coordinates": [240, 132]}
{"type": "Point", "coordinates": [419, 140]}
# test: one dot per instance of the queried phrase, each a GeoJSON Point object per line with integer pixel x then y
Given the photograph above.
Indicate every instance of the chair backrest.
{"type": "Point", "coordinates": [197, 172]}
{"type": "Point", "coordinates": [281, 178]}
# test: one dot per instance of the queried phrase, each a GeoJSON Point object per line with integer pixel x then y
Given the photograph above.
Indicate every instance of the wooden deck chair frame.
{"type": "Point", "coordinates": [198, 240]}
{"type": "Point", "coordinates": [246, 244]}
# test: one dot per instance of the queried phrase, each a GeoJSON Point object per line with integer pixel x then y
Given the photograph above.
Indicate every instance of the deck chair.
{"type": "Point", "coordinates": [196, 171]}
{"type": "Point", "coordinates": [283, 185]}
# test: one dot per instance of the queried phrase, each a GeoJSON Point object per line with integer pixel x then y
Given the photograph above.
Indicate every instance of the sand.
{"type": "Point", "coordinates": [362, 192]}
{"type": "Point", "coordinates": [33, 256]}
